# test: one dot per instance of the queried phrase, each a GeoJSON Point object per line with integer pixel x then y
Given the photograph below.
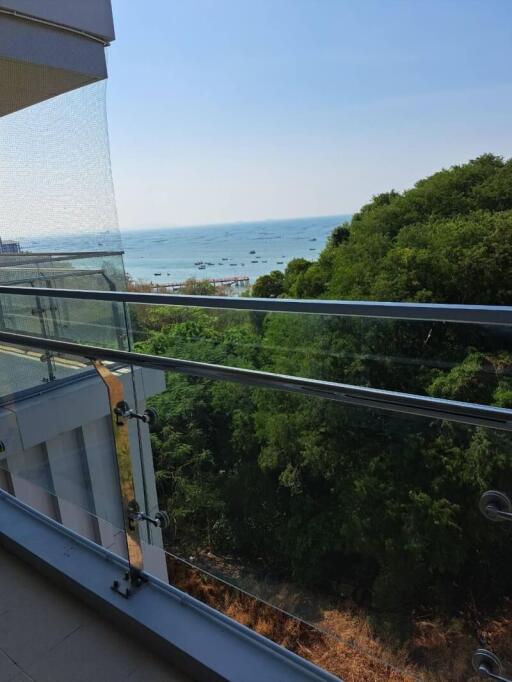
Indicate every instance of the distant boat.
{"type": "Point", "coordinates": [280, 262]}
{"type": "Point", "coordinates": [313, 240]}
{"type": "Point", "coordinates": [199, 262]}
{"type": "Point", "coordinates": [202, 267]}
{"type": "Point", "coordinates": [225, 259]}
{"type": "Point", "coordinates": [254, 261]}
{"type": "Point", "coordinates": [312, 249]}
{"type": "Point", "coordinates": [252, 251]}
{"type": "Point", "coordinates": [158, 274]}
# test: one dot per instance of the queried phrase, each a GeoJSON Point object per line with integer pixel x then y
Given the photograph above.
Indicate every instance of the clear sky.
{"type": "Point", "coordinates": [226, 110]}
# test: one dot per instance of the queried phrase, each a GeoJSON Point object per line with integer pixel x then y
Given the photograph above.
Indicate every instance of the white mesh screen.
{"type": "Point", "coordinates": [56, 191]}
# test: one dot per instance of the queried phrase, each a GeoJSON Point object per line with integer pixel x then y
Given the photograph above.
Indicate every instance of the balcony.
{"type": "Point", "coordinates": [318, 434]}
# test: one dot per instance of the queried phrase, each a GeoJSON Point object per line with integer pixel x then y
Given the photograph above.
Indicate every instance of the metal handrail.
{"type": "Point", "coordinates": [392, 401]}
{"type": "Point", "coordinates": [434, 312]}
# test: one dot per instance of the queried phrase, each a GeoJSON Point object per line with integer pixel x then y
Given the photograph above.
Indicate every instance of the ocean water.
{"type": "Point", "coordinates": [224, 250]}
{"type": "Point", "coordinates": [173, 254]}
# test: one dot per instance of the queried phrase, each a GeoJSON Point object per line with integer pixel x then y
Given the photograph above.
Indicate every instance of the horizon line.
{"type": "Point", "coordinates": [234, 222]}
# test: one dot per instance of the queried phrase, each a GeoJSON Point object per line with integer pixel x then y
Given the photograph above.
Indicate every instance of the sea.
{"type": "Point", "coordinates": [246, 249]}
{"type": "Point", "coordinates": [174, 254]}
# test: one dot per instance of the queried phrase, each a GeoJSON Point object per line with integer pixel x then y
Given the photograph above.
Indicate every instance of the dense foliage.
{"type": "Point", "coordinates": [335, 495]}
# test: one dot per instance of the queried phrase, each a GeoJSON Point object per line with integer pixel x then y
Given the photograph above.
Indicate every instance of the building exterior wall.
{"type": "Point", "coordinates": [59, 457]}
{"type": "Point", "coordinates": [9, 247]}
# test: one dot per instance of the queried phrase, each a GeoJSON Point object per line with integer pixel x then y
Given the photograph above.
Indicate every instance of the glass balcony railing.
{"type": "Point", "coordinates": [334, 475]}
{"type": "Point", "coordinates": [55, 318]}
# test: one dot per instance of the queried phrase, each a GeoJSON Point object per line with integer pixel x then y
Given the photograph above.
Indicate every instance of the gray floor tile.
{"type": "Point", "coordinates": [29, 631]}
{"type": "Point", "coordinates": [159, 670]}
{"type": "Point", "coordinates": [8, 669]}
{"type": "Point", "coordinates": [47, 635]}
{"type": "Point", "coordinates": [91, 653]}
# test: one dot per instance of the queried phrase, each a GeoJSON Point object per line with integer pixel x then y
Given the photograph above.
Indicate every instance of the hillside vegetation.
{"type": "Point", "coordinates": [374, 509]}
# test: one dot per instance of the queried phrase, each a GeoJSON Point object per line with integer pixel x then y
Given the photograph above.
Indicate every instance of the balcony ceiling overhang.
{"type": "Point", "coordinates": [49, 47]}
{"type": "Point", "coordinates": [93, 17]}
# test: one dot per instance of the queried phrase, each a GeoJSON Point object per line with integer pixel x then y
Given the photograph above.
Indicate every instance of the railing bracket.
{"type": "Point", "coordinates": [496, 506]}
{"type": "Point", "coordinates": [128, 584]}
{"type": "Point", "coordinates": [488, 666]}
{"type": "Point", "coordinates": [123, 410]}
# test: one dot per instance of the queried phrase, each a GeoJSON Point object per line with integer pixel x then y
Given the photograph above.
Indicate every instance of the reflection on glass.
{"type": "Point", "coordinates": [88, 322]}
{"type": "Point", "coordinates": [56, 446]}
{"type": "Point", "coordinates": [73, 453]}
{"type": "Point", "coordinates": [465, 362]}
{"type": "Point", "coordinates": [362, 523]}
{"type": "Point", "coordinates": [29, 477]}
{"type": "Point", "coordinates": [350, 652]}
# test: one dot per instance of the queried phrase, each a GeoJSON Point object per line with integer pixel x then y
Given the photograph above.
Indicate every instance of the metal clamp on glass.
{"type": "Point", "coordinates": [123, 410]}
{"type": "Point", "coordinates": [488, 666]}
{"type": "Point", "coordinates": [160, 520]}
{"type": "Point", "coordinates": [496, 506]}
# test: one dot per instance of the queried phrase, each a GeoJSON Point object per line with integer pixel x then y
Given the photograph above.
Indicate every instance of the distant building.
{"type": "Point", "coordinates": [9, 246]}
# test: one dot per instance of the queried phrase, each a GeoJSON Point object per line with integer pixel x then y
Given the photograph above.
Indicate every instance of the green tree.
{"type": "Point", "coordinates": [269, 286]}
{"type": "Point", "coordinates": [323, 492]}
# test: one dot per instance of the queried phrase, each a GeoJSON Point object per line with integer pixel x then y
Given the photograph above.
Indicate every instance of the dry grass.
{"type": "Point", "coordinates": [437, 651]}
{"type": "Point", "coordinates": [359, 657]}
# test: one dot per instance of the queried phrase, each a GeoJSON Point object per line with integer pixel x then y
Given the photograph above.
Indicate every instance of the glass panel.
{"type": "Point", "coordinates": [362, 523]}
{"type": "Point", "coordinates": [94, 323]}
{"type": "Point", "coordinates": [21, 370]}
{"type": "Point", "coordinates": [352, 654]}
{"type": "Point", "coordinates": [78, 446]}
{"type": "Point", "coordinates": [98, 323]}
{"type": "Point", "coordinates": [61, 441]}
{"type": "Point", "coordinates": [465, 362]}
{"type": "Point", "coordinates": [30, 477]}
{"type": "Point", "coordinates": [22, 314]}
{"type": "Point", "coordinates": [91, 322]}
{"type": "Point", "coordinates": [102, 271]}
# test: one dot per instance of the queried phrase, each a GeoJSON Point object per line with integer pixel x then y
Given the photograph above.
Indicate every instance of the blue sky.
{"type": "Point", "coordinates": [226, 110]}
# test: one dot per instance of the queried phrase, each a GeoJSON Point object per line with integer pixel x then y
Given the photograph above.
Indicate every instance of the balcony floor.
{"type": "Point", "coordinates": [48, 635]}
